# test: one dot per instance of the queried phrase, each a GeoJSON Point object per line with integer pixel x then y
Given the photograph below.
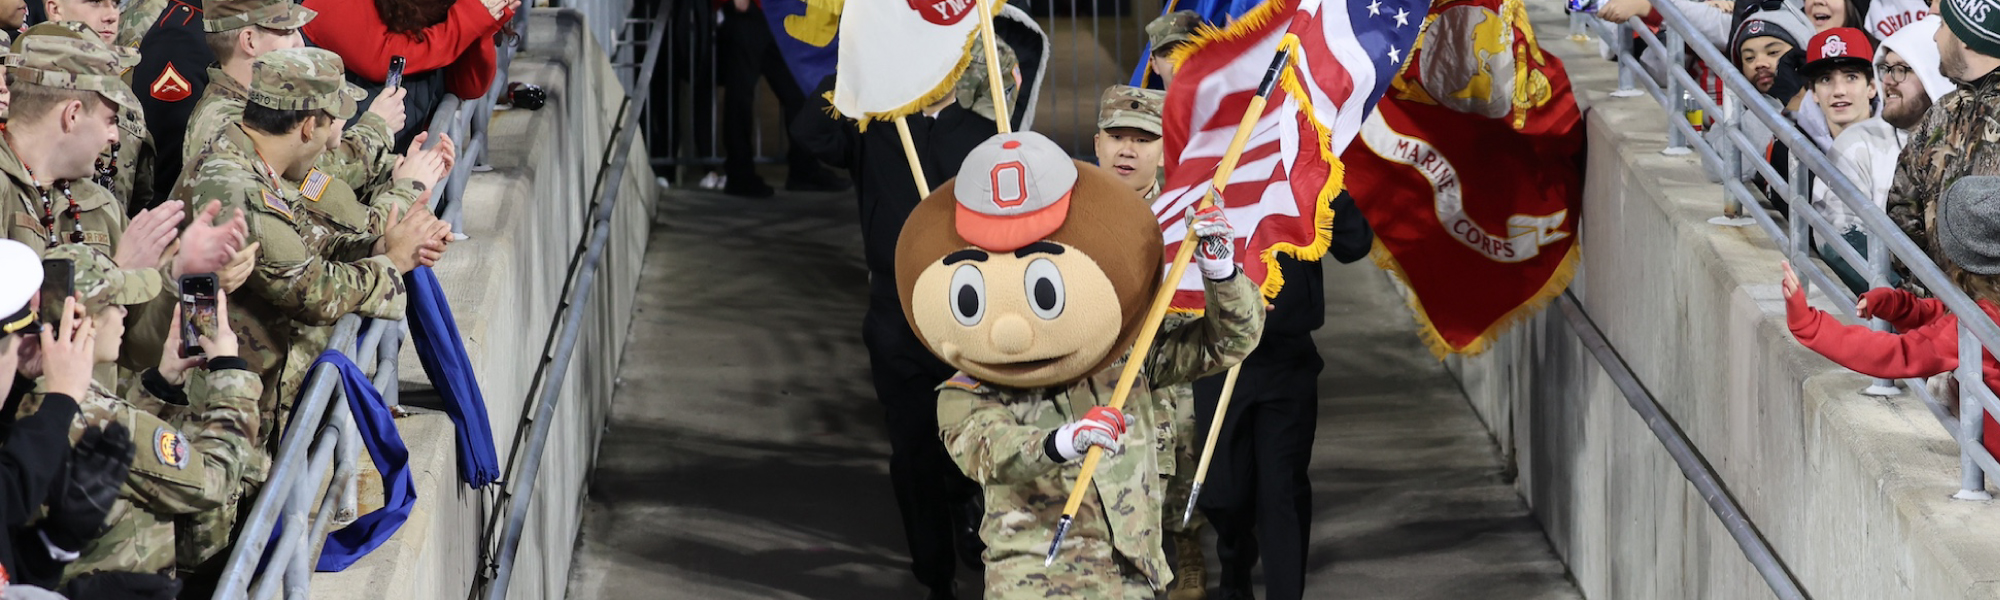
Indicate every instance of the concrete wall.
{"type": "Point", "coordinates": [1853, 492]}
{"type": "Point", "coordinates": [525, 219]}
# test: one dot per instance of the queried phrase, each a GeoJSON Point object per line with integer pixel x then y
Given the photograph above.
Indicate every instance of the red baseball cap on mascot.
{"type": "Point", "coordinates": [1837, 47]}
{"type": "Point", "coordinates": [1014, 192]}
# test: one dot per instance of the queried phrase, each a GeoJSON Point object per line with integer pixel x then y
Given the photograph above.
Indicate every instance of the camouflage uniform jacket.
{"type": "Point", "coordinates": [131, 160]}
{"type": "Point", "coordinates": [995, 435]}
{"type": "Point", "coordinates": [136, 19]}
{"type": "Point", "coordinates": [177, 468]}
{"type": "Point", "coordinates": [362, 159]}
{"type": "Point", "coordinates": [102, 216]}
{"type": "Point", "coordinates": [1958, 137]}
{"type": "Point", "coordinates": [292, 285]}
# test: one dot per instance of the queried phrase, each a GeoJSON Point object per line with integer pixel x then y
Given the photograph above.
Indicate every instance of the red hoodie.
{"type": "Point", "coordinates": [462, 44]}
{"type": "Point", "coordinates": [1928, 344]}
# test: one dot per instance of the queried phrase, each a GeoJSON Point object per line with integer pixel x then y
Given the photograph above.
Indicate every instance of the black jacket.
{"type": "Point", "coordinates": [33, 450]}
{"type": "Point", "coordinates": [882, 179]}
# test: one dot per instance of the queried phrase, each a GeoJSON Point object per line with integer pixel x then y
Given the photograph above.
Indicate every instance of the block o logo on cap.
{"type": "Point", "coordinates": [1013, 190]}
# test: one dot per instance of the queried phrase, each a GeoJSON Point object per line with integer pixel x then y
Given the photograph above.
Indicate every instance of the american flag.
{"type": "Point", "coordinates": [1278, 196]}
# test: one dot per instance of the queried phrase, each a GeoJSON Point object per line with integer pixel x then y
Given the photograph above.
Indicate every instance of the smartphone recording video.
{"type": "Point", "coordinates": [58, 282]}
{"type": "Point", "coordinates": [197, 311]}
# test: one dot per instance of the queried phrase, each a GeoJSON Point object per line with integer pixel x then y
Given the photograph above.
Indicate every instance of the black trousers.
{"type": "Point", "coordinates": [750, 53]}
{"type": "Point", "coordinates": [931, 492]}
{"type": "Point", "coordinates": [689, 67]}
{"type": "Point", "coordinates": [1257, 495]}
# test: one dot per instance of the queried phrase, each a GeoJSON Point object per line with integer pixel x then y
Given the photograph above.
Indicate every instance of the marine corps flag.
{"type": "Point", "coordinates": [897, 56]}
{"type": "Point", "coordinates": [1280, 194]}
{"type": "Point", "coordinates": [1471, 173]}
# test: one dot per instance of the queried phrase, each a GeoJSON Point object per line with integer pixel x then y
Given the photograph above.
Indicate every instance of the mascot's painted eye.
{"type": "Point", "coordinates": [1045, 289]}
{"type": "Point", "coordinates": [968, 295]}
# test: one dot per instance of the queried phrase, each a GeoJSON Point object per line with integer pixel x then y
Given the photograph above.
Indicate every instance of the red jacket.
{"type": "Point", "coordinates": [1928, 344]}
{"type": "Point", "coordinates": [462, 44]}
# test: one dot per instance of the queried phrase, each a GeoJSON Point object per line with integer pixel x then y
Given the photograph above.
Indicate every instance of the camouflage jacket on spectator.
{"type": "Point", "coordinates": [293, 285]}
{"type": "Point", "coordinates": [136, 18]}
{"type": "Point", "coordinates": [177, 468]}
{"type": "Point", "coordinates": [996, 436]}
{"type": "Point", "coordinates": [21, 207]}
{"type": "Point", "coordinates": [131, 160]}
{"type": "Point", "coordinates": [1958, 137]}
{"type": "Point", "coordinates": [362, 159]}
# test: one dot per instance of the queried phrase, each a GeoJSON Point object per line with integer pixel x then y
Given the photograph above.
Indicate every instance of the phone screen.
{"type": "Point", "coordinates": [395, 78]}
{"type": "Point", "coordinates": [197, 311]}
{"type": "Point", "coordinates": [58, 282]}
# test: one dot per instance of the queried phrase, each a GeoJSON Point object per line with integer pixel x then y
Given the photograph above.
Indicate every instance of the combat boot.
{"type": "Point", "coordinates": [1190, 581]}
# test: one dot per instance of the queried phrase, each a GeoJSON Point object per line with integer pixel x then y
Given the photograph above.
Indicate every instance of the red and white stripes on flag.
{"type": "Point", "coordinates": [1279, 196]}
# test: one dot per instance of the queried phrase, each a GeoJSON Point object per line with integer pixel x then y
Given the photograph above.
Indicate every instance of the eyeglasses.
{"type": "Point", "coordinates": [1894, 74]}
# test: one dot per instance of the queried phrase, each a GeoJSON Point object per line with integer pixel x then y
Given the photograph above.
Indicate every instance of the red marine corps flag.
{"type": "Point", "coordinates": [1280, 194]}
{"type": "Point", "coordinates": [1470, 172]}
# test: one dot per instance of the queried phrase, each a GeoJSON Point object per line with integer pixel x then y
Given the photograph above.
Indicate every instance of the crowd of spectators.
{"type": "Point", "coordinates": [180, 240]}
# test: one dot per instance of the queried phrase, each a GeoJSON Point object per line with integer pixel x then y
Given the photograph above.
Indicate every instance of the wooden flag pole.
{"type": "Point", "coordinates": [1164, 298]}
{"type": "Point", "coordinates": [1001, 116]}
{"type": "Point", "coordinates": [1208, 448]}
{"type": "Point", "coordinates": [910, 155]}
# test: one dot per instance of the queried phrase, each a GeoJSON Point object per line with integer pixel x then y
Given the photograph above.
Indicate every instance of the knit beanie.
{"type": "Point", "coordinates": [1968, 223]}
{"type": "Point", "coordinates": [1975, 22]}
{"type": "Point", "coordinates": [1778, 23]}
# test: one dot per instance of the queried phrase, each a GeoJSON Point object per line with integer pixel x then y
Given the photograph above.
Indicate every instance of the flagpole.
{"type": "Point", "coordinates": [1208, 448]}
{"type": "Point", "coordinates": [1001, 116]}
{"type": "Point", "coordinates": [910, 154]}
{"type": "Point", "coordinates": [1164, 298]}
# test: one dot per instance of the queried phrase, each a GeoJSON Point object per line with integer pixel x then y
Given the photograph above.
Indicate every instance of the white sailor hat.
{"type": "Point", "coordinates": [20, 276]}
{"type": "Point", "coordinates": [1012, 190]}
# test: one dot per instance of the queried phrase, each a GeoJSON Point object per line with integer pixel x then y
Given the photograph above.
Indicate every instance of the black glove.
{"type": "Point", "coordinates": [1786, 81]}
{"type": "Point", "coordinates": [81, 502]}
{"type": "Point", "coordinates": [123, 586]}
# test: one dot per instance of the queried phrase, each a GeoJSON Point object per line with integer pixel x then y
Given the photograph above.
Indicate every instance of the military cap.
{"type": "Point", "coordinates": [24, 277]}
{"type": "Point", "coordinates": [68, 56]}
{"type": "Point", "coordinates": [303, 79]}
{"type": "Point", "coordinates": [101, 283]}
{"type": "Point", "coordinates": [1127, 106]}
{"type": "Point", "coordinates": [975, 93]}
{"type": "Point", "coordinates": [1172, 28]}
{"type": "Point", "coordinates": [7, 56]}
{"type": "Point", "coordinates": [225, 15]}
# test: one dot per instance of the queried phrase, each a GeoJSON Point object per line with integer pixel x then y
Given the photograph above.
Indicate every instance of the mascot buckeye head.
{"type": "Point", "coordinates": [1028, 269]}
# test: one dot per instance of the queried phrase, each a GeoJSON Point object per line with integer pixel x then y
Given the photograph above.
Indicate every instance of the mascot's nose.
{"type": "Point", "coordinates": [1011, 334]}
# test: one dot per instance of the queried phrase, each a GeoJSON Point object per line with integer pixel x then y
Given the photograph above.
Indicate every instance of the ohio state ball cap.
{"type": "Point", "coordinates": [1012, 190]}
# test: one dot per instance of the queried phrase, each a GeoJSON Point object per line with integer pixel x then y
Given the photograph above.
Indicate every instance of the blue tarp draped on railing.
{"type": "Point", "coordinates": [392, 459]}
{"type": "Point", "coordinates": [442, 352]}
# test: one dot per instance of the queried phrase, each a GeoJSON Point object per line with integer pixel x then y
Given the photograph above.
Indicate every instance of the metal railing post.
{"type": "Point", "coordinates": [1971, 418]}
{"type": "Point", "coordinates": [1879, 273]}
{"type": "Point", "coordinates": [1677, 142]}
{"type": "Point", "coordinates": [1621, 43]}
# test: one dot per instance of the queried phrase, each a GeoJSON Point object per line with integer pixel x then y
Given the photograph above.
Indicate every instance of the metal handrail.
{"type": "Point", "coordinates": [303, 461]}
{"type": "Point", "coordinates": [1978, 332]}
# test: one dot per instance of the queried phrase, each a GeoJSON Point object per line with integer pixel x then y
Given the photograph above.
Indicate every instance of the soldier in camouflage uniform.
{"type": "Point", "coordinates": [56, 202]}
{"type": "Point", "coordinates": [1960, 135]}
{"type": "Point", "coordinates": [975, 92]}
{"type": "Point", "coordinates": [181, 467]}
{"type": "Point", "coordinates": [1022, 441]}
{"type": "Point", "coordinates": [1128, 144]}
{"type": "Point", "coordinates": [310, 270]}
{"type": "Point", "coordinates": [120, 165]}
{"type": "Point", "coordinates": [1166, 34]}
{"type": "Point", "coordinates": [362, 159]}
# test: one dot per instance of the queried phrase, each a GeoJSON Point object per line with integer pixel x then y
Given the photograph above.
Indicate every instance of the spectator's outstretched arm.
{"type": "Point", "coordinates": [1927, 351]}
{"type": "Point", "coordinates": [825, 133]}
{"type": "Point", "coordinates": [1902, 309]}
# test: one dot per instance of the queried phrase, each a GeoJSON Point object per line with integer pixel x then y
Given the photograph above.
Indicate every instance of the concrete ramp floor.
{"type": "Point", "coordinates": [745, 457]}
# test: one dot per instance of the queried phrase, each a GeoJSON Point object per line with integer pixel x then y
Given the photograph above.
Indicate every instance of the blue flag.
{"type": "Point", "coordinates": [392, 459]}
{"type": "Point", "coordinates": [442, 352]}
{"type": "Point", "coordinates": [806, 31]}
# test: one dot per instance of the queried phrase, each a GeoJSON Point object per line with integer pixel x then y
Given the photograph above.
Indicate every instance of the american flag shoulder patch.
{"type": "Point", "coordinates": [315, 185]}
{"type": "Point", "coordinates": [277, 204]}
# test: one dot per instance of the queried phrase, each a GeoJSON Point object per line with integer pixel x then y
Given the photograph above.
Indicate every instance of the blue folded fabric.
{"type": "Point", "coordinates": [442, 352]}
{"type": "Point", "coordinates": [377, 427]}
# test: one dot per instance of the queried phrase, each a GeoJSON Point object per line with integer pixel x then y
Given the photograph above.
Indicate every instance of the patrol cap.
{"type": "Point", "coordinates": [224, 15]}
{"type": "Point", "coordinates": [1172, 28]}
{"type": "Point", "coordinates": [7, 56]}
{"type": "Point", "coordinates": [20, 276]}
{"type": "Point", "coordinates": [67, 55]}
{"type": "Point", "coordinates": [303, 79]}
{"type": "Point", "coordinates": [975, 92]}
{"type": "Point", "coordinates": [1127, 106]}
{"type": "Point", "coordinates": [101, 283]}
{"type": "Point", "coordinates": [1013, 189]}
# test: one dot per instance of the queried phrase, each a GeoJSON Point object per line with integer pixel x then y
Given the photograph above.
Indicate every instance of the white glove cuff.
{"type": "Point", "coordinates": [1066, 442]}
{"type": "Point", "coordinates": [1216, 270]}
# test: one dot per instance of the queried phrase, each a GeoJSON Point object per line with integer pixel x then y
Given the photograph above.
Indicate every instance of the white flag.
{"type": "Point", "coordinates": [896, 56]}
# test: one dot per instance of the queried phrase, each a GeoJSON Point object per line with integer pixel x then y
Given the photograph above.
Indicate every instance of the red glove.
{"type": "Point", "coordinates": [1101, 427]}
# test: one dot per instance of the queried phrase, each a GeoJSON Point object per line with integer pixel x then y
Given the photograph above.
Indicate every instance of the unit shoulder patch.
{"type": "Point", "coordinates": [170, 447]}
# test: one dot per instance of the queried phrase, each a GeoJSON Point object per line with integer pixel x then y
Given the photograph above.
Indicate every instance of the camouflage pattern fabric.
{"type": "Point", "coordinates": [179, 468]}
{"type": "Point", "coordinates": [303, 79]}
{"type": "Point", "coordinates": [362, 159]}
{"type": "Point", "coordinates": [1127, 106]}
{"type": "Point", "coordinates": [1172, 28]}
{"type": "Point", "coordinates": [21, 207]}
{"type": "Point", "coordinates": [1958, 137]}
{"type": "Point", "coordinates": [224, 15]}
{"type": "Point", "coordinates": [62, 55]}
{"type": "Point", "coordinates": [995, 435]}
{"type": "Point", "coordinates": [136, 18]}
{"type": "Point", "coordinates": [975, 93]}
{"type": "Point", "coordinates": [292, 285]}
{"type": "Point", "coordinates": [130, 159]}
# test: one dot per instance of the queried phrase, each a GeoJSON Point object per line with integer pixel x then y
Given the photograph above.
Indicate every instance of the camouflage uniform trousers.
{"type": "Point", "coordinates": [1178, 447]}
{"type": "Point", "coordinates": [995, 435]}
{"type": "Point", "coordinates": [1089, 568]}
